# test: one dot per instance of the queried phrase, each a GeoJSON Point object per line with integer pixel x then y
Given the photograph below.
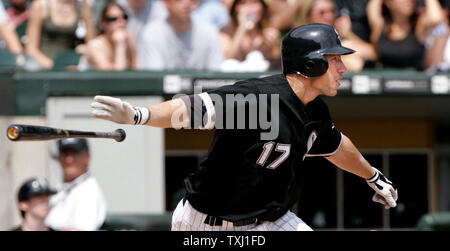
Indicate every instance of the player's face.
{"type": "Point", "coordinates": [37, 206]}
{"type": "Point", "coordinates": [73, 163]}
{"type": "Point", "coordinates": [329, 82]}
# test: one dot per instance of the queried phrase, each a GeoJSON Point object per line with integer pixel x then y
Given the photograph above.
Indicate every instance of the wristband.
{"type": "Point", "coordinates": [141, 115]}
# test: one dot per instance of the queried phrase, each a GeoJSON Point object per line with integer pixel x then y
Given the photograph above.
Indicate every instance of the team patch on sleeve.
{"type": "Point", "coordinates": [324, 143]}
{"type": "Point", "coordinates": [201, 110]}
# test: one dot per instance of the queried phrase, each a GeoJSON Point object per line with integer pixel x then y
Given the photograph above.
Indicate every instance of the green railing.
{"type": "Point", "coordinates": [24, 93]}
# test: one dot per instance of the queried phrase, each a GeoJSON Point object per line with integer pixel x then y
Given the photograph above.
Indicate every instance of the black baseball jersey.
{"type": "Point", "coordinates": [244, 174]}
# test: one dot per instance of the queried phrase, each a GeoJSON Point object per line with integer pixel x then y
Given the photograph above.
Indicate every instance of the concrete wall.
{"type": "Point", "coordinates": [131, 173]}
{"type": "Point", "coordinates": [18, 162]}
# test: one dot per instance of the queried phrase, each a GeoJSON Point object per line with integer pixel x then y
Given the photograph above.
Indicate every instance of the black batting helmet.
{"type": "Point", "coordinates": [303, 49]}
{"type": "Point", "coordinates": [33, 187]}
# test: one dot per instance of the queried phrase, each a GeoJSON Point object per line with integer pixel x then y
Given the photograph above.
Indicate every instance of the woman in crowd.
{"type": "Point", "coordinates": [8, 33]}
{"type": "Point", "coordinates": [115, 48]}
{"type": "Point", "coordinates": [324, 11]}
{"type": "Point", "coordinates": [249, 32]}
{"type": "Point", "coordinates": [51, 29]}
{"type": "Point", "coordinates": [399, 31]}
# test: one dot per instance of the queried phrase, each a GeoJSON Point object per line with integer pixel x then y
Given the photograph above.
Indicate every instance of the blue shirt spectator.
{"type": "Point", "coordinates": [179, 41]}
{"type": "Point", "coordinates": [213, 11]}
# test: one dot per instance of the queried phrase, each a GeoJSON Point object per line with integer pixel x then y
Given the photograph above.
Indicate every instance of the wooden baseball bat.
{"type": "Point", "coordinates": [19, 132]}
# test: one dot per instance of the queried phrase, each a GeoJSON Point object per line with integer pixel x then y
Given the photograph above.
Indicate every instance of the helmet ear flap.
{"type": "Point", "coordinates": [315, 66]}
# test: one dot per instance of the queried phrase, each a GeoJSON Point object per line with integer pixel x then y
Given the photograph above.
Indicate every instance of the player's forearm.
{"type": "Point", "coordinates": [169, 114]}
{"type": "Point", "coordinates": [350, 159]}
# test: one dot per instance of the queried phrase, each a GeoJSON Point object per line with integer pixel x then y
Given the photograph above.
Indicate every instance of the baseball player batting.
{"type": "Point", "coordinates": [248, 181]}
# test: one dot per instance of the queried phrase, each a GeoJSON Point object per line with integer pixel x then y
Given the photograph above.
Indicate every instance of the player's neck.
{"type": "Point", "coordinates": [34, 224]}
{"type": "Point", "coordinates": [300, 87]}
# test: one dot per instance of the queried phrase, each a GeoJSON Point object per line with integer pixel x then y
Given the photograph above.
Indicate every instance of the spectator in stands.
{"type": "Point", "coordinates": [52, 29]}
{"type": "Point", "coordinates": [8, 33]}
{"type": "Point", "coordinates": [18, 13]}
{"type": "Point", "coordinates": [324, 11]}
{"type": "Point", "coordinates": [33, 197]}
{"type": "Point", "coordinates": [283, 13]}
{"type": "Point", "coordinates": [356, 10]}
{"type": "Point", "coordinates": [115, 48]}
{"type": "Point", "coordinates": [79, 203]}
{"type": "Point", "coordinates": [179, 41]}
{"type": "Point", "coordinates": [437, 55]}
{"type": "Point", "coordinates": [213, 11]}
{"type": "Point", "coordinates": [141, 12]}
{"type": "Point", "coordinates": [399, 31]}
{"type": "Point", "coordinates": [249, 33]}
{"type": "Point", "coordinates": [228, 3]}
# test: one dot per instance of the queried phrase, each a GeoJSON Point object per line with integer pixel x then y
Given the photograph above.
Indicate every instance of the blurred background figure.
{"type": "Point", "coordinates": [325, 11]}
{"type": "Point", "coordinates": [18, 12]}
{"type": "Point", "coordinates": [141, 12]}
{"type": "Point", "coordinates": [52, 30]}
{"type": "Point", "coordinates": [179, 41]}
{"type": "Point", "coordinates": [437, 55]}
{"type": "Point", "coordinates": [115, 48]}
{"type": "Point", "coordinates": [79, 203]}
{"type": "Point", "coordinates": [356, 10]}
{"type": "Point", "coordinates": [283, 13]}
{"type": "Point", "coordinates": [8, 35]}
{"type": "Point", "coordinates": [249, 34]}
{"type": "Point", "coordinates": [228, 4]}
{"type": "Point", "coordinates": [33, 197]}
{"type": "Point", "coordinates": [212, 11]}
{"type": "Point", "coordinates": [399, 31]}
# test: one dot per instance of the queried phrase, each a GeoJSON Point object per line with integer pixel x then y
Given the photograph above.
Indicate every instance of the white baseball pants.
{"type": "Point", "coordinates": [186, 218]}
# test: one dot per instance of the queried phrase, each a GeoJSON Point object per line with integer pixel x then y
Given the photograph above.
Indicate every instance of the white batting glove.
{"type": "Point", "coordinates": [385, 192]}
{"type": "Point", "coordinates": [116, 110]}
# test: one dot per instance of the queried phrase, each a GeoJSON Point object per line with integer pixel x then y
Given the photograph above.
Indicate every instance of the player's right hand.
{"type": "Point", "coordinates": [116, 110]}
{"type": "Point", "coordinates": [385, 191]}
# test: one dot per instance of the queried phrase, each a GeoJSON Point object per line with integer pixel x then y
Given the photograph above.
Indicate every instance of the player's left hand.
{"type": "Point", "coordinates": [116, 110]}
{"type": "Point", "coordinates": [385, 191]}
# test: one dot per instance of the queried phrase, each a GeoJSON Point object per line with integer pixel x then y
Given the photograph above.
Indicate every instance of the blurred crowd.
{"type": "Point", "coordinates": [216, 35]}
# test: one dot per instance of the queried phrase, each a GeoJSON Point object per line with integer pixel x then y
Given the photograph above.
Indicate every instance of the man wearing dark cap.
{"type": "Point", "coordinates": [79, 203]}
{"type": "Point", "coordinates": [33, 197]}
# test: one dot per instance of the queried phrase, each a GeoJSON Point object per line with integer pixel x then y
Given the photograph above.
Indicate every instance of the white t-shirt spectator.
{"type": "Point", "coordinates": [153, 10]}
{"type": "Point", "coordinates": [161, 48]}
{"type": "Point", "coordinates": [78, 205]}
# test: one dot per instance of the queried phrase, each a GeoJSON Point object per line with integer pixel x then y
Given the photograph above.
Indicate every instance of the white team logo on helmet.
{"type": "Point", "coordinates": [338, 36]}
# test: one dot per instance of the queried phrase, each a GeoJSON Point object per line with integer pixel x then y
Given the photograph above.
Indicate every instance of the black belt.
{"type": "Point", "coordinates": [216, 221]}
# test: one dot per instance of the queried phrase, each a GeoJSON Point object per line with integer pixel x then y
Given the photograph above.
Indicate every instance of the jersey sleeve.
{"type": "Point", "coordinates": [209, 110]}
{"type": "Point", "coordinates": [325, 138]}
